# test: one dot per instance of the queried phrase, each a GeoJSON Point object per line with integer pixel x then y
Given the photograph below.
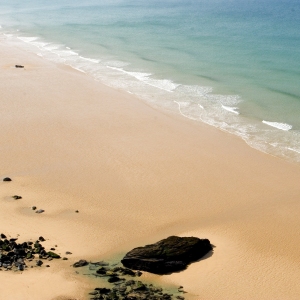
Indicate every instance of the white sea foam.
{"type": "Point", "coordinates": [163, 84]}
{"type": "Point", "coordinates": [281, 126]}
{"type": "Point", "coordinates": [231, 109]}
{"type": "Point", "coordinates": [28, 39]}
{"type": "Point", "coordinates": [295, 150]}
{"type": "Point", "coordinates": [96, 61]}
{"type": "Point", "coordinates": [200, 106]}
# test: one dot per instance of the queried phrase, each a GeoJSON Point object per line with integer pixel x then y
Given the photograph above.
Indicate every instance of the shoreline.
{"type": "Point", "coordinates": [265, 134]}
{"type": "Point", "coordinates": [138, 175]}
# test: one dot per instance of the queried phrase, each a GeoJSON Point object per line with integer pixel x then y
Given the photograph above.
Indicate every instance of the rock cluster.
{"type": "Point", "coordinates": [132, 290]}
{"type": "Point", "coordinates": [14, 255]}
{"type": "Point", "coordinates": [122, 286]}
{"type": "Point", "coordinates": [172, 254]}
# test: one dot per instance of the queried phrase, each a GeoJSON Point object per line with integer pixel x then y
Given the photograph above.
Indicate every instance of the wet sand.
{"type": "Point", "coordinates": [137, 175]}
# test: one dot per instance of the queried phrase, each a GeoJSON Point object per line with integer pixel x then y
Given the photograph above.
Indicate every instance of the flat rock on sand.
{"type": "Point", "coordinates": [172, 254]}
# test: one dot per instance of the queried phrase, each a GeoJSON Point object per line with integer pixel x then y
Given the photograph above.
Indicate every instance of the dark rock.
{"type": "Point", "coordinates": [16, 197]}
{"type": "Point", "coordinates": [65, 258]}
{"type": "Point", "coordinates": [33, 207]}
{"type": "Point", "coordinates": [39, 263]}
{"type": "Point", "coordinates": [103, 290]}
{"type": "Point", "coordinates": [3, 236]}
{"type": "Point", "coordinates": [172, 254]}
{"type": "Point", "coordinates": [68, 253]}
{"type": "Point", "coordinates": [80, 263]}
{"type": "Point", "coordinates": [39, 211]}
{"type": "Point", "coordinates": [77, 211]}
{"type": "Point", "coordinates": [101, 271]}
{"type": "Point", "coordinates": [114, 279]}
{"type": "Point", "coordinates": [6, 179]}
{"type": "Point", "coordinates": [19, 66]}
{"type": "Point", "coordinates": [52, 254]}
{"type": "Point", "coordinates": [41, 239]}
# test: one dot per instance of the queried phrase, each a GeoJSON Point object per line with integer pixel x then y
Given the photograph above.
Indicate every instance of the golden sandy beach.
{"type": "Point", "coordinates": [137, 175]}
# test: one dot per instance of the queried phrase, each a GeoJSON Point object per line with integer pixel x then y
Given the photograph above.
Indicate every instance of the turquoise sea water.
{"type": "Point", "coordinates": [234, 64]}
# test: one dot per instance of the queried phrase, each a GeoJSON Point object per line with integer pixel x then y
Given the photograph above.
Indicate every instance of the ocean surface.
{"type": "Point", "coordinates": [233, 64]}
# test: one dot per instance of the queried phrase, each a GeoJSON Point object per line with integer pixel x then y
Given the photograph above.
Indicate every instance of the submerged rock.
{"type": "Point", "coordinates": [172, 254]}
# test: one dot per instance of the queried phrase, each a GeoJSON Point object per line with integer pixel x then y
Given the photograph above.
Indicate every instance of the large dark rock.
{"type": "Point", "coordinates": [172, 254]}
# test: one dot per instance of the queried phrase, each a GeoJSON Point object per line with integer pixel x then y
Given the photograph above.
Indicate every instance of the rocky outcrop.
{"type": "Point", "coordinates": [170, 255]}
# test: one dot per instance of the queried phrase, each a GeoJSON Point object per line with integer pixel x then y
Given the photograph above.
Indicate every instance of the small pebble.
{"type": "Point", "coordinates": [65, 258]}
{"type": "Point", "coordinates": [6, 179]}
{"type": "Point", "coordinates": [77, 211]}
{"type": "Point", "coordinates": [68, 253]}
{"type": "Point", "coordinates": [33, 207]}
{"type": "Point", "coordinates": [39, 211]}
{"type": "Point", "coordinates": [16, 197]}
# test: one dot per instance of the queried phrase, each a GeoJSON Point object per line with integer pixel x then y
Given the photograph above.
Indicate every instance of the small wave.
{"type": "Point", "coordinates": [78, 69]}
{"type": "Point", "coordinates": [163, 84]}
{"type": "Point", "coordinates": [200, 106]}
{"type": "Point", "coordinates": [28, 39]}
{"type": "Point", "coordinates": [281, 126]}
{"type": "Point", "coordinates": [96, 61]}
{"type": "Point", "coordinates": [298, 151]}
{"type": "Point", "coordinates": [231, 109]}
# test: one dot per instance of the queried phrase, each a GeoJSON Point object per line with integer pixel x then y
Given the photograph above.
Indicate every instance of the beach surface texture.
{"type": "Point", "coordinates": [136, 175]}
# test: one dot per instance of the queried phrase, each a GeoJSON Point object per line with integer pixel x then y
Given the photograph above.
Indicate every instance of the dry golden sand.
{"type": "Point", "coordinates": [137, 175]}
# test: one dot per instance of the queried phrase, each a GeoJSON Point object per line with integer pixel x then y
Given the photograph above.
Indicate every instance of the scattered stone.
{"type": "Point", "coordinates": [47, 266]}
{"type": "Point", "coordinates": [39, 211]}
{"type": "Point", "coordinates": [170, 255]}
{"type": "Point", "coordinates": [19, 66]}
{"type": "Point", "coordinates": [80, 263]}
{"type": "Point", "coordinates": [33, 207]}
{"type": "Point", "coordinates": [6, 179]}
{"type": "Point", "coordinates": [65, 258]}
{"type": "Point", "coordinates": [68, 253]}
{"type": "Point", "coordinates": [39, 263]}
{"type": "Point", "coordinates": [77, 211]}
{"type": "Point", "coordinates": [52, 249]}
{"type": "Point", "coordinates": [16, 197]}
{"type": "Point", "coordinates": [3, 236]}
{"type": "Point", "coordinates": [41, 239]}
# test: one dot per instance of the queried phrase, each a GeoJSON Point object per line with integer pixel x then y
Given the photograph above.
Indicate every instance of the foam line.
{"type": "Point", "coordinates": [281, 126]}
{"type": "Point", "coordinates": [231, 109]}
